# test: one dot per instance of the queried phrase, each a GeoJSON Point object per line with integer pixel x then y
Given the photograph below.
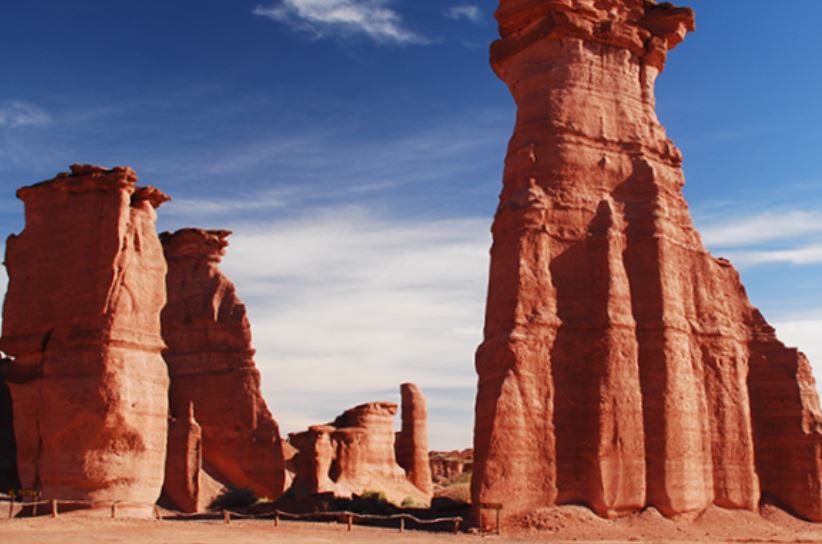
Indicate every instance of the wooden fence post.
{"type": "Point", "coordinates": [54, 508]}
{"type": "Point", "coordinates": [157, 513]}
{"type": "Point", "coordinates": [402, 525]}
{"type": "Point", "coordinates": [226, 517]}
{"type": "Point", "coordinates": [276, 519]}
{"type": "Point", "coordinates": [113, 510]}
{"type": "Point", "coordinates": [11, 507]}
{"type": "Point", "coordinates": [350, 522]}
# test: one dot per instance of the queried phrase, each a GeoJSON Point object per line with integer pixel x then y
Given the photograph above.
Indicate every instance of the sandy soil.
{"type": "Point", "coordinates": [565, 524]}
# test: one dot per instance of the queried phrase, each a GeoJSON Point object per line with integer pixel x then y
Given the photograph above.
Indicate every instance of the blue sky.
{"type": "Point", "coordinates": [355, 147]}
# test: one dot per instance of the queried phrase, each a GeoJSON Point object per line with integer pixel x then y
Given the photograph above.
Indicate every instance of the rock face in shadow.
{"type": "Point", "coordinates": [82, 319]}
{"type": "Point", "coordinates": [412, 440]}
{"type": "Point", "coordinates": [622, 365]}
{"type": "Point", "coordinates": [353, 455]}
{"type": "Point", "coordinates": [211, 362]}
{"type": "Point", "coordinates": [8, 443]}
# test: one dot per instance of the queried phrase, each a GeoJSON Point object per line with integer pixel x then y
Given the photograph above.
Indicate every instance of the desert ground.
{"type": "Point", "coordinates": [563, 524]}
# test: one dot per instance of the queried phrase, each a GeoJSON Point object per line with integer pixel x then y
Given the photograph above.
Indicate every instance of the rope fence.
{"type": "Point", "coordinates": [277, 515]}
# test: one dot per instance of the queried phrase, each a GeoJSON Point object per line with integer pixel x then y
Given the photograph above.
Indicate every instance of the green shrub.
{"type": "Point", "coordinates": [377, 496]}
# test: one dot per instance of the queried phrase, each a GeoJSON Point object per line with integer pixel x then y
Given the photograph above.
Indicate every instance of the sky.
{"type": "Point", "coordinates": [355, 148]}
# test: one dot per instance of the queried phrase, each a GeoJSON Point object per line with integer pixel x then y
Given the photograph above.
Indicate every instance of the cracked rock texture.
{"type": "Point", "coordinates": [211, 363]}
{"type": "Point", "coordinates": [622, 365]}
{"type": "Point", "coordinates": [82, 319]}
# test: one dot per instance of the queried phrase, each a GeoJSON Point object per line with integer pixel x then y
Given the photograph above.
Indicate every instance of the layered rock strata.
{"type": "Point", "coordinates": [82, 319]}
{"type": "Point", "coordinates": [211, 362]}
{"type": "Point", "coordinates": [412, 440]}
{"type": "Point", "coordinates": [353, 455]}
{"type": "Point", "coordinates": [622, 366]}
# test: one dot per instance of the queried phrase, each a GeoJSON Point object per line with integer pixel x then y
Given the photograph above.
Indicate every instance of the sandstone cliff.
{"type": "Point", "coordinates": [211, 362]}
{"type": "Point", "coordinates": [622, 365]}
{"type": "Point", "coordinates": [82, 318]}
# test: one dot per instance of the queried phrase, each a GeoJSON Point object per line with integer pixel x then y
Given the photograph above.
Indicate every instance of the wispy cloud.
{"type": "Point", "coordinates": [806, 255]}
{"type": "Point", "coordinates": [345, 305]}
{"type": "Point", "coordinates": [14, 113]}
{"type": "Point", "coordinates": [467, 12]}
{"type": "Point", "coordinates": [322, 18]}
{"type": "Point", "coordinates": [763, 227]}
{"type": "Point", "coordinates": [202, 207]}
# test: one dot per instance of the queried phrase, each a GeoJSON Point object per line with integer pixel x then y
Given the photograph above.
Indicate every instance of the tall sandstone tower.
{"type": "Point", "coordinates": [82, 318]}
{"type": "Point", "coordinates": [623, 366]}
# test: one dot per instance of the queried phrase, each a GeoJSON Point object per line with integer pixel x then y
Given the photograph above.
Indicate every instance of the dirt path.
{"type": "Point", "coordinates": [566, 524]}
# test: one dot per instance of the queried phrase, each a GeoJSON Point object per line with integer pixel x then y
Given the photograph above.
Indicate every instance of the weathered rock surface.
{"type": "Point", "coordinates": [211, 362]}
{"type": "Point", "coordinates": [352, 455]}
{"type": "Point", "coordinates": [622, 365]}
{"type": "Point", "coordinates": [448, 466]}
{"type": "Point", "coordinates": [412, 440]}
{"type": "Point", "coordinates": [82, 318]}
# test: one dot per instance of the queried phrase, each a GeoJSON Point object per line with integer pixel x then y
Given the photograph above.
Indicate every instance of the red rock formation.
{"type": "Point", "coordinates": [352, 455]}
{"type": "Point", "coordinates": [211, 363]}
{"type": "Point", "coordinates": [412, 440]}
{"type": "Point", "coordinates": [447, 466]}
{"type": "Point", "coordinates": [82, 317]}
{"type": "Point", "coordinates": [622, 365]}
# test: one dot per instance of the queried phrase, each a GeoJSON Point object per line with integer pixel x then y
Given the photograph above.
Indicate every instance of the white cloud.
{"type": "Point", "coordinates": [467, 12]}
{"type": "Point", "coordinates": [763, 227]}
{"type": "Point", "coordinates": [806, 334]}
{"type": "Point", "coordinates": [346, 305]}
{"type": "Point", "coordinates": [14, 113]}
{"type": "Point", "coordinates": [322, 18]}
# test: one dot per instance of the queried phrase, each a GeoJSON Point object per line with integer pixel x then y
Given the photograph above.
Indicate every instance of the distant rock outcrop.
{"type": "Point", "coordinates": [211, 362]}
{"type": "Point", "coordinates": [448, 466]}
{"type": "Point", "coordinates": [82, 319]}
{"type": "Point", "coordinates": [412, 440]}
{"type": "Point", "coordinates": [622, 365]}
{"type": "Point", "coordinates": [353, 455]}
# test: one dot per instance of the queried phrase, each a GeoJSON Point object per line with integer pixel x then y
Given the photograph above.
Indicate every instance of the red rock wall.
{"type": "Point", "coordinates": [412, 440]}
{"type": "Point", "coordinates": [211, 363]}
{"type": "Point", "coordinates": [82, 317]}
{"type": "Point", "coordinates": [622, 365]}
